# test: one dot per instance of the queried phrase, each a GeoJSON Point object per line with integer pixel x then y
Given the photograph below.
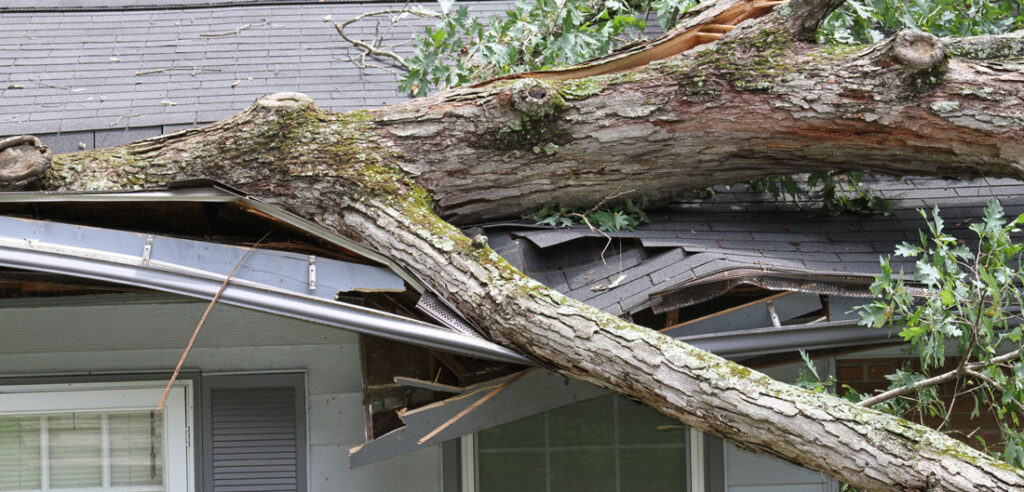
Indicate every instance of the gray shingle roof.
{"type": "Point", "coordinates": [738, 229]}
{"type": "Point", "coordinates": [74, 70]}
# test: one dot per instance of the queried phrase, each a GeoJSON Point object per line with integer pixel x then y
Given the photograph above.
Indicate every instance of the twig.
{"type": "Point", "coordinates": [202, 320]}
{"type": "Point", "coordinates": [236, 30]}
{"type": "Point", "coordinates": [124, 116]}
{"type": "Point", "coordinates": [583, 217]}
{"type": "Point", "coordinates": [470, 408]}
{"type": "Point", "coordinates": [196, 70]}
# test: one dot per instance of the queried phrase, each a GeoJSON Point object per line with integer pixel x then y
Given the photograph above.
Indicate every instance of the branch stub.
{"type": "Point", "coordinates": [534, 98]}
{"type": "Point", "coordinates": [918, 49]}
{"type": "Point", "coordinates": [23, 159]}
{"type": "Point", "coordinates": [285, 100]}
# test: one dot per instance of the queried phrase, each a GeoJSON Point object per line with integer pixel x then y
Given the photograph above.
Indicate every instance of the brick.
{"type": "Point", "coordinates": [878, 371]}
{"type": "Point", "coordinates": [849, 373]}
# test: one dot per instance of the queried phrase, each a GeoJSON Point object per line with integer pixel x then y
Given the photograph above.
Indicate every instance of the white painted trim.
{"type": "Point", "coordinates": [468, 470]}
{"type": "Point", "coordinates": [696, 454]}
{"type": "Point", "coordinates": [115, 397]}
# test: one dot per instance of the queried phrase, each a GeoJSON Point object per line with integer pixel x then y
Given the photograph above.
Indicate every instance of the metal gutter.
{"type": "Point", "coordinates": [212, 192]}
{"type": "Point", "coordinates": [810, 336]}
{"type": "Point", "coordinates": [52, 248]}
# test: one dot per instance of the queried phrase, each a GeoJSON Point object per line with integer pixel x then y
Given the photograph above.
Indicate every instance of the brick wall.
{"type": "Point", "coordinates": [867, 376]}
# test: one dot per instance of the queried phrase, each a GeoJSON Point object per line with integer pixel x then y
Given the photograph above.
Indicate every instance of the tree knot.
{"type": "Point", "coordinates": [23, 159]}
{"type": "Point", "coordinates": [535, 98]}
{"type": "Point", "coordinates": [479, 241]}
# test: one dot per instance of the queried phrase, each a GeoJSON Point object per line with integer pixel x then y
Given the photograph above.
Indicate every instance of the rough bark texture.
{"type": "Point", "coordinates": [758, 101]}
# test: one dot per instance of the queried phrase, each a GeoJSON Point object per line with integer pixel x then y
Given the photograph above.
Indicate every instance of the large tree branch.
{"type": "Point", "coordinates": [754, 103]}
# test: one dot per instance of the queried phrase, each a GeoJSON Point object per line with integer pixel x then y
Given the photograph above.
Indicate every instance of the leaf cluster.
{"type": "Point", "coordinates": [839, 192]}
{"type": "Point", "coordinates": [624, 216]}
{"type": "Point", "coordinates": [870, 21]}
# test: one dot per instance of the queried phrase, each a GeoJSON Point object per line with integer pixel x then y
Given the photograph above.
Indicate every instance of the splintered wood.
{"type": "Point", "coordinates": [674, 42]}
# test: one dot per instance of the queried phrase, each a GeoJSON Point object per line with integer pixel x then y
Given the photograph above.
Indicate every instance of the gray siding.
{"type": "Point", "coordinates": [132, 338]}
{"type": "Point", "coordinates": [750, 472]}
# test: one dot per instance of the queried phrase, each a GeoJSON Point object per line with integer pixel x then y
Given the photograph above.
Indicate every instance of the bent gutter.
{"type": "Point", "coordinates": [760, 341]}
{"type": "Point", "coordinates": [46, 254]}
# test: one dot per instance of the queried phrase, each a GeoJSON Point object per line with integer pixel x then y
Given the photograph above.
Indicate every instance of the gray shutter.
{"type": "Point", "coordinates": [255, 435]}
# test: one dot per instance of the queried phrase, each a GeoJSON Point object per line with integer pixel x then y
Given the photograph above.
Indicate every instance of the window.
{"type": "Point", "coordinates": [95, 437]}
{"type": "Point", "coordinates": [606, 444]}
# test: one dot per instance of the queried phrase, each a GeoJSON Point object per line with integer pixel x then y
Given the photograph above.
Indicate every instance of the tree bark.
{"type": "Point", "coordinates": [756, 102]}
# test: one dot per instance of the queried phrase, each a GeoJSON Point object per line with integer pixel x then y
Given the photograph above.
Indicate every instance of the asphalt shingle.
{"type": "Point", "coordinates": [56, 60]}
{"type": "Point", "coordinates": [694, 239]}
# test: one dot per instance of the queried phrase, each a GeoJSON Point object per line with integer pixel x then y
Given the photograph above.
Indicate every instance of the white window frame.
{"type": "Point", "coordinates": [125, 396]}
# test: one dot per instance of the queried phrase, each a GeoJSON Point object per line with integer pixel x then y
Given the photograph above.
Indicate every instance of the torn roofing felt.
{"type": "Point", "coordinates": [739, 236]}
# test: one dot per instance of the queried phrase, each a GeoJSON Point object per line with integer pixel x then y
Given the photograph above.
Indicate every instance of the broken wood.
{"type": "Point", "coordinates": [428, 385]}
{"type": "Point", "coordinates": [475, 404]}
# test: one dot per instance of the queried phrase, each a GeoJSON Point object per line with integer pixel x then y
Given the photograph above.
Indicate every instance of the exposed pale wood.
{"type": "Point", "coordinates": [681, 39]}
{"type": "Point", "coordinates": [727, 311]}
{"type": "Point", "coordinates": [430, 385]}
{"type": "Point", "coordinates": [472, 407]}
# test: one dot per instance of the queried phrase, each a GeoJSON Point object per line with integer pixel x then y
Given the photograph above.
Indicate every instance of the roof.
{"type": "Point", "coordinates": [69, 69]}
{"type": "Point", "coordinates": [736, 234]}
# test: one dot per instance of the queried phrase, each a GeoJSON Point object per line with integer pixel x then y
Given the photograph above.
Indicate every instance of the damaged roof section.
{"type": "Point", "coordinates": [698, 249]}
{"type": "Point", "coordinates": [191, 241]}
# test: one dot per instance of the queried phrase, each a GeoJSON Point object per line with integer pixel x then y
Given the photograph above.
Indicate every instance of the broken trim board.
{"type": "Point", "coordinates": [537, 392]}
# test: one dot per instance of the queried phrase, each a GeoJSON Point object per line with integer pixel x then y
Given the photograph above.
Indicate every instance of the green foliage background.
{"type": "Point", "coordinates": [542, 34]}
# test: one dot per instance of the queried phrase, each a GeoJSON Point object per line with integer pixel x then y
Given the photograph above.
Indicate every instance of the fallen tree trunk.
{"type": "Point", "coordinates": [756, 102]}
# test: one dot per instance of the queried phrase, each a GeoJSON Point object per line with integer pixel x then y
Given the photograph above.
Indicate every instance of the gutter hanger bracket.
{"type": "Point", "coordinates": [147, 250]}
{"type": "Point", "coordinates": [773, 313]}
{"type": "Point", "coordinates": [312, 272]}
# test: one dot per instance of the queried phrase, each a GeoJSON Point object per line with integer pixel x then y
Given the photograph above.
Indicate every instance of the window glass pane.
{"type": "Point", "coordinates": [583, 470]}
{"type": "Point", "coordinates": [604, 444]}
{"type": "Point", "coordinates": [136, 448]}
{"type": "Point", "coordinates": [75, 451]}
{"type": "Point", "coordinates": [587, 423]}
{"type": "Point", "coordinates": [523, 433]}
{"type": "Point", "coordinates": [638, 424]}
{"type": "Point", "coordinates": [20, 466]}
{"type": "Point", "coordinates": [513, 471]}
{"type": "Point", "coordinates": [653, 470]}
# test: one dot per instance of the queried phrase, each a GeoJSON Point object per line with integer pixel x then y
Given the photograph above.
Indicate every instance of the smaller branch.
{"type": "Point", "coordinates": [941, 378]}
{"type": "Point", "coordinates": [583, 217]}
{"type": "Point", "coordinates": [195, 69]}
{"type": "Point", "coordinates": [371, 48]}
{"type": "Point", "coordinates": [991, 382]}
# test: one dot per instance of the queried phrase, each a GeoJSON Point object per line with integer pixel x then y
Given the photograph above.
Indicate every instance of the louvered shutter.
{"type": "Point", "coordinates": [255, 434]}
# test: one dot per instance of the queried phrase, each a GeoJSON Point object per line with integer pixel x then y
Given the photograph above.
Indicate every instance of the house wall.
{"type": "Point", "coordinates": [750, 472]}
{"type": "Point", "coordinates": [133, 335]}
